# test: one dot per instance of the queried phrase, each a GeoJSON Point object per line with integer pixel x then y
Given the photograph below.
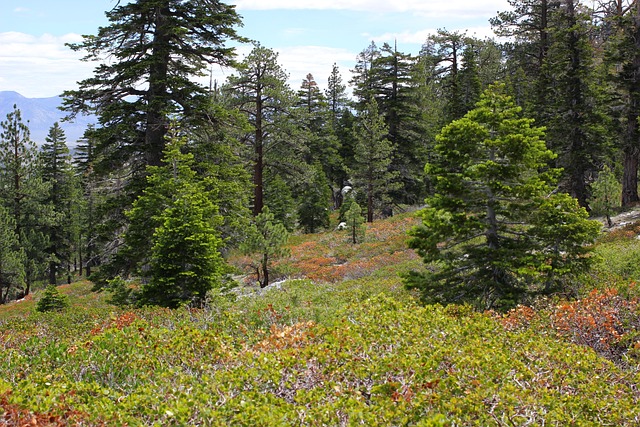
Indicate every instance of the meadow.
{"type": "Point", "coordinates": [340, 342]}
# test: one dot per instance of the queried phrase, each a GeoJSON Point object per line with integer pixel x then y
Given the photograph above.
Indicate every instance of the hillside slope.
{"type": "Point", "coordinates": [350, 347]}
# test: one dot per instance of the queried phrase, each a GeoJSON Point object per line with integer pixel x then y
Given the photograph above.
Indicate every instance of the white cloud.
{"type": "Point", "coordinates": [432, 8]}
{"type": "Point", "coordinates": [40, 66]}
{"type": "Point", "coordinates": [420, 37]}
{"type": "Point", "coordinates": [299, 61]}
{"type": "Point", "coordinates": [21, 10]}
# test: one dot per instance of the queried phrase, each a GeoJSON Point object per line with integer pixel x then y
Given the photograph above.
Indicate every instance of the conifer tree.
{"type": "Point", "coordinates": [260, 91]}
{"type": "Point", "coordinates": [494, 233]}
{"type": "Point", "coordinates": [279, 198]}
{"type": "Point", "coordinates": [336, 94]}
{"type": "Point", "coordinates": [265, 240]}
{"type": "Point", "coordinates": [87, 207]}
{"type": "Point", "coordinates": [605, 197]}
{"type": "Point", "coordinates": [52, 300]}
{"type": "Point", "coordinates": [22, 192]}
{"type": "Point", "coordinates": [57, 171]}
{"type": "Point", "coordinates": [175, 233]}
{"type": "Point", "coordinates": [373, 155]}
{"type": "Point", "coordinates": [355, 222]}
{"type": "Point", "coordinates": [12, 260]}
{"type": "Point", "coordinates": [577, 129]}
{"type": "Point", "coordinates": [185, 258]}
{"type": "Point", "coordinates": [154, 49]}
{"type": "Point", "coordinates": [623, 58]}
{"type": "Point", "coordinates": [313, 208]}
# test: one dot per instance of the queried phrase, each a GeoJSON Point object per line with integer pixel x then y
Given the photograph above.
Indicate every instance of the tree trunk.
{"type": "Point", "coordinates": [157, 92]}
{"type": "Point", "coordinates": [630, 177]}
{"type": "Point", "coordinates": [258, 167]}
{"type": "Point", "coordinates": [265, 272]}
{"type": "Point", "coordinates": [53, 269]}
{"type": "Point", "coordinates": [631, 149]}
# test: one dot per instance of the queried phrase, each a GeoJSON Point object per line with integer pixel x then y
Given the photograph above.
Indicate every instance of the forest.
{"type": "Point", "coordinates": [175, 175]}
{"type": "Point", "coordinates": [437, 240]}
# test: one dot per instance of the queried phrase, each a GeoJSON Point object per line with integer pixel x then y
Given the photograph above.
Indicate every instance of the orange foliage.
{"type": "Point", "coordinates": [518, 317]}
{"type": "Point", "coordinates": [281, 337]}
{"type": "Point", "coordinates": [14, 416]}
{"type": "Point", "coordinates": [601, 320]}
{"type": "Point", "coordinates": [120, 322]}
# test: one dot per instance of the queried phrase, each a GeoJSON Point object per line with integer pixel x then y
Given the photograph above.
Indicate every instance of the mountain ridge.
{"type": "Point", "coordinates": [39, 114]}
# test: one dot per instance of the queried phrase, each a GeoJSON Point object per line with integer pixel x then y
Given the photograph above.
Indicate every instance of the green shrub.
{"type": "Point", "coordinates": [52, 300]}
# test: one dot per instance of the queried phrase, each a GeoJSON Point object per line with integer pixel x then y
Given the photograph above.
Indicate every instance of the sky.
{"type": "Point", "coordinates": [308, 35]}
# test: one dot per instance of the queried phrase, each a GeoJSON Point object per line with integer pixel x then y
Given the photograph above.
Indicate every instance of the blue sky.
{"type": "Point", "coordinates": [308, 35]}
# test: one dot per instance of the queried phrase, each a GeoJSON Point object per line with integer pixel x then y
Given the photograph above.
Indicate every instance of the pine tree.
{"type": "Point", "coordinates": [266, 239]}
{"type": "Point", "coordinates": [278, 197]}
{"type": "Point", "coordinates": [605, 198]}
{"type": "Point", "coordinates": [174, 232]}
{"type": "Point", "coordinates": [313, 208]}
{"type": "Point", "coordinates": [185, 259]}
{"type": "Point", "coordinates": [58, 172]}
{"type": "Point", "coordinates": [154, 50]}
{"type": "Point", "coordinates": [52, 300]}
{"type": "Point", "coordinates": [577, 130]}
{"type": "Point", "coordinates": [22, 192]}
{"type": "Point", "coordinates": [355, 222]}
{"type": "Point", "coordinates": [364, 79]}
{"type": "Point", "coordinates": [399, 103]}
{"type": "Point", "coordinates": [12, 260]}
{"type": "Point", "coordinates": [216, 149]}
{"type": "Point", "coordinates": [373, 155]}
{"type": "Point", "coordinates": [493, 233]}
{"type": "Point", "coordinates": [260, 91]}
{"type": "Point", "coordinates": [336, 94]}
{"type": "Point", "coordinates": [315, 123]}
{"type": "Point", "coordinates": [527, 25]}
{"type": "Point", "coordinates": [87, 206]}
{"type": "Point", "coordinates": [623, 58]}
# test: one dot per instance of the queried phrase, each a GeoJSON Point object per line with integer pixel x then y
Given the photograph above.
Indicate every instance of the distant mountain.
{"type": "Point", "coordinates": [42, 113]}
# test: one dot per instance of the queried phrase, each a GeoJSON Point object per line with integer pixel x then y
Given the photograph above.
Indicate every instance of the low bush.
{"type": "Point", "coordinates": [52, 300]}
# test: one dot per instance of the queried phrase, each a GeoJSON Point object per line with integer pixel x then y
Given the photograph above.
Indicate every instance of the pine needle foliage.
{"type": "Point", "coordinates": [494, 233]}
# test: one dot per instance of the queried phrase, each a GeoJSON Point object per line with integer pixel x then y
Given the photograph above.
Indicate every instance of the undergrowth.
{"type": "Point", "coordinates": [345, 344]}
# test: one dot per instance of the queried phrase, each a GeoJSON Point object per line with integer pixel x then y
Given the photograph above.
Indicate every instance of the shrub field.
{"type": "Point", "coordinates": [341, 343]}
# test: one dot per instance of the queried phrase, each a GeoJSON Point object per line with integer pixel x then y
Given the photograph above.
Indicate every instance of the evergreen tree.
{"type": "Point", "coordinates": [12, 256]}
{"type": "Point", "coordinates": [577, 130]}
{"type": "Point", "coordinates": [217, 149]}
{"type": "Point", "coordinates": [527, 25]}
{"type": "Point", "coordinates": [154, 49]}
{"type": "Point", "coordinates": [373, 155]}
{"type": "Point", "coordinates": [279, 198]}
{"type": "Point", "coordinates": [336, 95]}
{"type": "Point", "coordinates": [52, 300]}
{"type": "Point", "coordinates": [488, 232]}
{"type": "Point", "coordinates": [446, 49]}
{"type": "Point", "coordinates": [313, 208]}
{"type": "Point", "coordinates": [399, 104]}
{"type": "Point", "coordinates": [266, 239]}
{"type": "Point", "coordinates": [355, 222]}
{"type": "Point", "coordinates": [183, 251]}
{"type": "Point", "coordinates": [58, 172]}
{"type": "Point", "coordinates": [623, 58]}
{"type": "Point", "coordinates": [185, 258]}
{"type": "Point", "coordinates": [315, 122]}
{"type": "Point", "coordinates": [22, 191]}
{"type": "Point", "coordinates": [364, 80]}
{"type": "Point", "coordinates": [260, 91]}
{"type": "Point", "coordinates": [605, 198]}
{"type": "Point", "coordinates": [148, 55]}
{"type": "Point", "coordinates": [87, 205]}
